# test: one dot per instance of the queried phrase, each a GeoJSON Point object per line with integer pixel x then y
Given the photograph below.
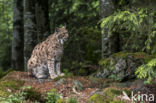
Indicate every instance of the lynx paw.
{"type": "Point", "coordinates": [53, 76]}
{"type": "Point", "coordinates": [61, 74]}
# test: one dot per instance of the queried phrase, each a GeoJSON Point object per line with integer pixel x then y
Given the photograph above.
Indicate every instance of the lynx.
{"type": "Point", "coordinates": [46, 57]}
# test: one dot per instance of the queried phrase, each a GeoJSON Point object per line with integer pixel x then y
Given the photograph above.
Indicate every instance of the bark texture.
{"type": "Point", "coordinates": [42, 18]}
{"type": "Point", "coordinates": [108, 43]}
{"type": "Point", "coordinates": [30, 33]}
{"type": "Point", "coordinates": [18, 36]}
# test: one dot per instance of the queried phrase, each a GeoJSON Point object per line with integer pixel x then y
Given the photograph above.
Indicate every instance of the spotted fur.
{"type": "Point", "coordinates": [46, 57]}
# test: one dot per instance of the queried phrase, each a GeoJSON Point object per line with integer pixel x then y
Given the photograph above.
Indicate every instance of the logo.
{"type": "Point", "coordinates": [138, 97]}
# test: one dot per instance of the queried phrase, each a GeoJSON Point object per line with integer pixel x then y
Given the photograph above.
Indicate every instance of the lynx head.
{"type": "Point", "coordinates": [62, 34]}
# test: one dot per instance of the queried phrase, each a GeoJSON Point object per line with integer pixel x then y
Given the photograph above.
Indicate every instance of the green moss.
{"type": "Point", "coordinates": [135, 55]}
{"type": "Point", "coordinates": [60, 100]}
{"type": "Point", "coordinates": [116, 101]}
{"type": "Point", "coordinates": [141, 53]}
{"type": "Point", "coordinates": [104, 62]}
{"type": "Point", "coordinates": [144, 56]}
{"type": "Point", "coordinates": [110, 62]}
{"type": "Point", "coordinates": [122, 54]}
{"type": "Point", "coordinates": [9, 86]}
{"type": "Point", "coordinates": [12, 84]}
{"type": "Point", "coordinates": [4, 93]}
{"type": "Point", "coordinates": [96, 98]}
{"type": "Point", "coordinates": [111, 93]}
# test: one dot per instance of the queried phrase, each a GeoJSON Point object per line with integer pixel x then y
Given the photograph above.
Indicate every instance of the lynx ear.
{"type": "Point", "coordinates": [57, 29]}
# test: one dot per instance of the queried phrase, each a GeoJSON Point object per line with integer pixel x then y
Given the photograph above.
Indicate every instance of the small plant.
{"type": "Point", "coordinates": [14, 98]}
{"type": "Point", "coordinates": [26, 94]}
{"type": "Point", "coordinates": [52, 96]}
{"type": "Point", "coordinates": [72, 100]}
{"type": "Point", "coordinates": [31, 94]}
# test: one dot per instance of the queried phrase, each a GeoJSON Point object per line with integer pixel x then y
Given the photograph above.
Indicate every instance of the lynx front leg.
{"type": "Point", "coordinates": [51, 68]}
{"type": "Point", "coordinates": [58, 70]}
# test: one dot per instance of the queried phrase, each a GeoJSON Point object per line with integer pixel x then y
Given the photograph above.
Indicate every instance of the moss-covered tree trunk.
{"type": "Point", "coordinates": [18, 34]}
{"type": "Point", "coordinates": [42, 18]}
{"type": "Point", "coordinates": [30, 33]}
{"type": "Point", "coordinates": [108, 43]}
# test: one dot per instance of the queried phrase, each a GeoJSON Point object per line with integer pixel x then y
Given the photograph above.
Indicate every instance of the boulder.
{"type": "Point", "coordinates": [121, 66]}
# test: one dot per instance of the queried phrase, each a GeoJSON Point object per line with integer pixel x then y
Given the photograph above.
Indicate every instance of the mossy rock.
{"type": "Point", "coordinates": [111, 92]}
{"type": "Point", "coordinates": [137, 55]}
{"type": "Point", "coordinates": [109, 96]}
{"type": "Point", "coordinates": [121, 66]}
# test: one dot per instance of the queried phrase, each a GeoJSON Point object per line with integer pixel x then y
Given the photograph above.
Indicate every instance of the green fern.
{"type": "Point", "coordinates": [147, 71]}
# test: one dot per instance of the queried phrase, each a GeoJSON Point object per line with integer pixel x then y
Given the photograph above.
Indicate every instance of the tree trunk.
{"type": "Point", "coordinates": [18, 34]}
{"type": "Point", "coordinates": [42, 18]}
{"type": "Point", "coordinates": [108, 43]}
{"type": "Point", "coordinates": [30, 33]}
{"type": "Point", "coordinates": [114, 43]}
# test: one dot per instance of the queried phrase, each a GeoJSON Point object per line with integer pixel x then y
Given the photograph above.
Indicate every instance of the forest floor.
{"type": "Point", "coordinates": [66, 89]}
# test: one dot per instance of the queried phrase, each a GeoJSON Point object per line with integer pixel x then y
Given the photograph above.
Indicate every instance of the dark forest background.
{"type": "Point", "coordinates": [97, 29]}
{"type": "Point", "coordinates": [111, 50]}
{"type": "Point", "coordinates": [22, 28]}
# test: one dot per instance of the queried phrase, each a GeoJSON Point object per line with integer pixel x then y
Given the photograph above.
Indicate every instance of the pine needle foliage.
{"type": "Point", "coordinates": [147, 71]}
{"type": "Point", "coordinates": [120, 21]}
{"type": "Point", "coordinates": [136, 23]}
